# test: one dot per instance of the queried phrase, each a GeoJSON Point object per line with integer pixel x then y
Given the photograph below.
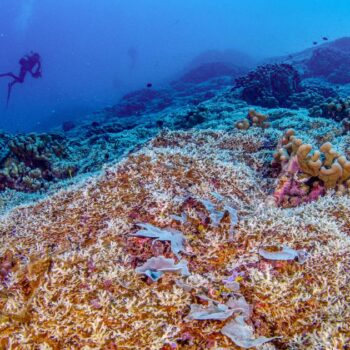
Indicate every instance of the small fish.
{"type": "Point", "coordinates": [314, 43]}
{"type": "Point", "coordinates": [160, 123]}
{"type": "Point", "coordinates": [324, 38]}
{"type": "Point", "coordinates": [149, 85]}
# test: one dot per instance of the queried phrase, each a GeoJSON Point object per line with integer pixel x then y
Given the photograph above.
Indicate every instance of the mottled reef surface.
{"type": "Point", "coordinates": [212, 213]}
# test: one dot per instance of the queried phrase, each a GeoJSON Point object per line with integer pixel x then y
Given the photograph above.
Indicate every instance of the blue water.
{"type": "Point", "coordinates": [93, 52]}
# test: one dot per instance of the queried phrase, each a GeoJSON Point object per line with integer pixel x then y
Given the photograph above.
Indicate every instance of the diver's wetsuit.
{"type": "Point", "coordinates": [29, 64]}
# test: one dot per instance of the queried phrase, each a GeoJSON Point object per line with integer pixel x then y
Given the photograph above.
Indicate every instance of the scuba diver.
{"type": "Point", "coordinates": [29, 64]}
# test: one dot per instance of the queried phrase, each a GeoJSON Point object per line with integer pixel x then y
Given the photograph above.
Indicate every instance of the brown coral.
{"type": "Point", "coordinates": [253, 119]}
{"type": "Point", "coordinates": [326, 164]}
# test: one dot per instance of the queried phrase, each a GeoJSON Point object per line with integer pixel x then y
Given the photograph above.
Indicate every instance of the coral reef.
{"type": "Point", "coordinates": [141, 101]}
{"type": "Point", "coordinates": [313, 94]}
{"type": "Point", "coordinates": [68, 125]}
{"type": "Point", "coordinates": [187, 237]}
{"type": "Point", "coordinates": [191, 118]}
{"type": "Point", "coordinates": [68, 263]}
{"type": "Point", "coordinates": [36, 162]}
{"type": "Point", "coordinates": [337, 109]}
{"type": "Point", "coordinates": [305, 177]}
{"type": "Point", "coordinates": [29, 163]}
{"type": "Point", "coordinates": [269, 85]}
{"type": "Point", "coordinates": [210, 70]}
{"type": "Point", "coordinates": [279, 85]}
{"type": "Point", "coordinates": [198, 84]}
{"type": "Point", "coordinates": [331, 63]}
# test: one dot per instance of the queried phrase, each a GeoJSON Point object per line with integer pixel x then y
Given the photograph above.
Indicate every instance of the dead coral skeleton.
{"type": "Point", "coordinates": [216, 212]}
{"type": "Point", "coordinates": [155, 267]}
{"type": "Point", "coordinates": [212, 312]}
{"type": "Point", "coordinates": [242, 334]}
{"type": "Point", "coordinates": [175, 237]}
{"type": "Point", "coordinates": [285, 254]}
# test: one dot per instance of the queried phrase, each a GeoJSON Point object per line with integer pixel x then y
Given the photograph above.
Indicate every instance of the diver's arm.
{"type": "Point", "coordinates": [37, 72]}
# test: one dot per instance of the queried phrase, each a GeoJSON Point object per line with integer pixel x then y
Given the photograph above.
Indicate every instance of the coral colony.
{"type": "Point", "coordinates": [199, 216]}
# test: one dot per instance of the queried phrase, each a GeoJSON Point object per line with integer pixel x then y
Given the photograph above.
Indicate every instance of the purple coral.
{"type": "Point", "coordinates": [293, 189]}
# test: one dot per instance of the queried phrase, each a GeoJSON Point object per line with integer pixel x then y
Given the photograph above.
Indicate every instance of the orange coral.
{"type": "Point", "coordinates": [326, 164]}
{"type": "Point", "coordinates": [254, 119]}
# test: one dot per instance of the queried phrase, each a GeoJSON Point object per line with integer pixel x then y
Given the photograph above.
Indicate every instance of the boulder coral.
{"type": "Point", "coordinates": [269, 85]}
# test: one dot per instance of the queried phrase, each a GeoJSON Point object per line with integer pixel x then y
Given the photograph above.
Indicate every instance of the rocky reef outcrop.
{"type": "Point", "coordinates": [140, 102]}
{"type": "Point", "coordinates": [330, 63]}
{"type": "Point", "coordinates": [280, 85]}
{"type": "Point", "coordinates": [207, 71]}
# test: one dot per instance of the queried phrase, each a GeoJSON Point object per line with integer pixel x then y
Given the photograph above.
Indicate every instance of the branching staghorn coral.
{"type": "Point", "coordinates": [70, 281]}
{"type": "Point", "coordinates": [306, 176]}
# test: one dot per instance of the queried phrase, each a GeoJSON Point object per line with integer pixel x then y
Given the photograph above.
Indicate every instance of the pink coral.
{"type": "Point", "coordinates": [293, 188]}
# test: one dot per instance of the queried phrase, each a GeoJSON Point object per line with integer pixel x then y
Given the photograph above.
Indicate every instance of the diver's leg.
{"type": "Point", "coordinates": [10, 85]}
{"type": "Point", "coordinates": [11, 75]}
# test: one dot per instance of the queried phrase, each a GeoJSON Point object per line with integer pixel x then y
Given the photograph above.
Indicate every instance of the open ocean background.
{"type": "Point", "coordinates": [93, 52]}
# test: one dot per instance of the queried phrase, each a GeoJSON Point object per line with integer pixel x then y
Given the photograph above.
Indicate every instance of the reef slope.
{"type": "Point", "coordinates": [67, 267]}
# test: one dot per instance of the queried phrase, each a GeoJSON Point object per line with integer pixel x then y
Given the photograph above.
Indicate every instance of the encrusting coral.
{"type": "Point", "coordinates": [68, 264]}
{"type": "Point", "coordinates": [305, 176]}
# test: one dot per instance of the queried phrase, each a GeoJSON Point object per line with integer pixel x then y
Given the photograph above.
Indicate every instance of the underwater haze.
{"type": "Point", "coordinates": [93, 52]}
